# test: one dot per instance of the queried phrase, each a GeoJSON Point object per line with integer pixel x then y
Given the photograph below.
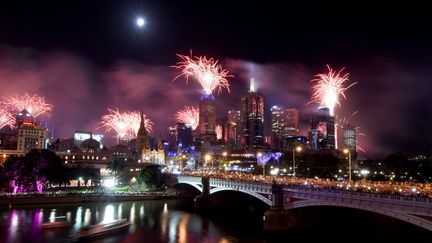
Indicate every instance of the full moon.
{"type": "Point", "coordinates": [140, 22]}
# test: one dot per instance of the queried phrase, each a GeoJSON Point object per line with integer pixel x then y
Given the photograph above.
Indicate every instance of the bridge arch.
{"type": "Point", "coordinates": [251, 193]}
{"type": "Point", "coordinates": [198, 187]}
{"type": "Point", "coordinates": [409, 218]}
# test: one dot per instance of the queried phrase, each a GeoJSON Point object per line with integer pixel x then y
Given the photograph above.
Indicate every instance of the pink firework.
{"type": "Point", "coordinates": [218, 132]}
{"type": "Point", "coordinates": [35, 105]}
{"type": "Point", "coordinates": [207, 72]}
{"type": "Point", "coordinates": [116, 121]}
{"type": "Point", "coordinates": [134, 118]}
{"type": "Point", "coordinates": [188, 116]}
{"type": "Point", "coordinates": [125, 124]}
{"type": "Point", "coordinates": [6, 118]}
{"type": "Point", "coordinates": [328, 87]}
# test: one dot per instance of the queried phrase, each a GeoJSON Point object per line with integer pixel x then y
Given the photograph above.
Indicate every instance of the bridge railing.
{"type": "Point", "coordinates": [240, 184]}
{"type": "Point", "coordinates": [358, 195]}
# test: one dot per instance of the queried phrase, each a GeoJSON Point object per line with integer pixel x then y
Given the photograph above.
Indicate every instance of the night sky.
{"type": "Point", "coordinates": [85, 56]}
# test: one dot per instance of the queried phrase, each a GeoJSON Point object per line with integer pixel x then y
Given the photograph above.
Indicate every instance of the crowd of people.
{"type": "Point", "coordinates": [383, 187]}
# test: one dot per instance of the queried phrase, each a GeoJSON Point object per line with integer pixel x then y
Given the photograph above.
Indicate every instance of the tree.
{"type": "Point", "coordinates": [398, 164]}
{"type": "Point", "coordinates": [86, 173]}
{"type": "Point", "coordinates": [322, 164]}
{"type": "Point", "coordinates": [151, 177]}
{"type": "Point", "coordinates": [51, 166]}
{"type": "Point", "coordinates": [116, 166]}
{"type": "Point", "coordinates": [32, 171]}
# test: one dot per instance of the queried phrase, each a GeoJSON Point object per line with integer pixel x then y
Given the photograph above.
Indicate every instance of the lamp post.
{"type": "Point", "coordinates": [207, 157]}
{"type": "Point", "coordinates": [347, 151]}
{"type": "Point", "coordinates": [298, 149]}
{"type": "Point", "coordinates": [259, 155]}
{"type": "Point", "coordinates": [224, 155]}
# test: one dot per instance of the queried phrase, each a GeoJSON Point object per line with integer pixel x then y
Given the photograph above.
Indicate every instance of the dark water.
{"type": "Point", "coordinates": [175, 221]}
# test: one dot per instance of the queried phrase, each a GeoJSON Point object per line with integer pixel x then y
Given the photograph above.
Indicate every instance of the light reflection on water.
{"type": "Point", "coordinates": [109, 214]}
{"type": "Point", "coordinates": [155, 221]}
{"type": "Point", "coordinates": [162, 221]}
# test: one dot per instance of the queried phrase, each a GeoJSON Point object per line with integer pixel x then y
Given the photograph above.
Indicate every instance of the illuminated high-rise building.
{"type": "Point", "coordinates": [292, 122]}
{"type": "Point", "coordinates": [232, 130]}
{"type": "Point", "coordinates": [350, 137]}
{"type": "Point", "coordinates": [278, 125]}
{"type": "Point", "coordinates": [184, 135]}
{"type": "Point", "coordinates": [284, 125]}
{"type": "Point", "coordinates": [30, 135]}
{"type": "Point", "coordinates": [252, 116]}
{"type": "Point", "coordinates": [207, 118]}
{"type": "Point", "coordinates": [323, 129]}
{"type": "Point", "coordinates": [172, 137]}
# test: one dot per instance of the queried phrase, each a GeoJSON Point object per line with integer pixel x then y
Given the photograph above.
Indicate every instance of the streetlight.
{"type": "Point", "coordinates": [259, 155]}
{"type": "Point", "coordinates": [299, 149]}
{"type": "Point", "coordinates": [207, 157]}
{"type": "Point", "coordinates": [347, 151]}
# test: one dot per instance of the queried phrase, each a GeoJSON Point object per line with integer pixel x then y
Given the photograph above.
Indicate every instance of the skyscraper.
{"type": "Point", "coordinates": [284, 125]}
{"type": "Point", "coordinates": [252, 116]}
{"type": "Point", "coordinates": [207, 118]}
{"type": "Point", "coordinates": [184, 135]}
{"type": "Point", "coordinates": [172, 137]}
{"type": "Point", "coordinates": [323, 125]}
{"type": "Point", "coordinates": [233, 131]}
{"type": "Point", "coordinates": [350, 137]}
{"type": "Point", "coordinates": [278, 125]}
{"type": "Point", "coordinates": [292, 122]}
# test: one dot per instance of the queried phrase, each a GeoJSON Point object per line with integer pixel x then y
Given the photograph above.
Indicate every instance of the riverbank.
{"type": "Point", "coordinates": [83, 198]}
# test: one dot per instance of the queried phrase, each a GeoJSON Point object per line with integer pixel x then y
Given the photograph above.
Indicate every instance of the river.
{"type": "Point", "coordinates": [175, 221]}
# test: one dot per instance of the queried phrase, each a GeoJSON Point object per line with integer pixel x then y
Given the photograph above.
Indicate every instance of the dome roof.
{"type": "Point", "coordinates": [90, 144]}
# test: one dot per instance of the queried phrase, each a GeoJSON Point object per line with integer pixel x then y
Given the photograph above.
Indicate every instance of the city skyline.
{"type": "Point", "coordinates": [389, 95]}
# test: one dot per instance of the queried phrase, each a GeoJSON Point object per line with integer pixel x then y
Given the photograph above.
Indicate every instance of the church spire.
{"type": "Point", "coordinates": [142, 129]}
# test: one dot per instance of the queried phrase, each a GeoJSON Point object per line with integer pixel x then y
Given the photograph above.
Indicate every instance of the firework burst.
{"type": "Point", "coordinates": [207, 72]}
{"type": "Point", "coordinates": [6, 118]}
{"type": "Point", "coordinates": [188, 116]}
{"type": "Point", "coordinates": [35, 105]}
{"type": "Point", "coordinates": [134, 119]}
{"type": "Point", "coordinates": [125, 124]}
{"type": "Point", "coordinates": [116, 121]}
{"type": "Point", "coordinates": [329, 87]}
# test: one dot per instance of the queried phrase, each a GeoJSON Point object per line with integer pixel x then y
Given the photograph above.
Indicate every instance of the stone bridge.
{"type": "Point", "coordinates": [282, 198]}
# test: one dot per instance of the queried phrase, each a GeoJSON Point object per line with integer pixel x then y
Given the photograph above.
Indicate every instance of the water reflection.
{"type": "Point", "coordinates": [68, 216]}
{"type": "Point", "coordinates": [120, 208]}
{"type": "Point", "coordinates": [108, 214]}
{"type": "Point", "coordinates": [13, 225]}
{"type": "Point", "coordinates": [52, 215]}
{"type": "Point", "coordinates": [78, 218]}
{"type": "Point", "coordinates": [87, 216]}
{"type": "Point", "coordinates": [151, 221]}
{"type": "Point", "coordinates": [38, 217]}
{"type": "Point", "coordinates": [183, 228]}
{"type": "Point", "coordinates": [173, 222]}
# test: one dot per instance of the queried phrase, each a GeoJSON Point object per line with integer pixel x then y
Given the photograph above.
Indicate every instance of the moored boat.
{"type": "Point", "coordinates": [55, 224]}
{"type": "Point", "coordinates": [103, 228]}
